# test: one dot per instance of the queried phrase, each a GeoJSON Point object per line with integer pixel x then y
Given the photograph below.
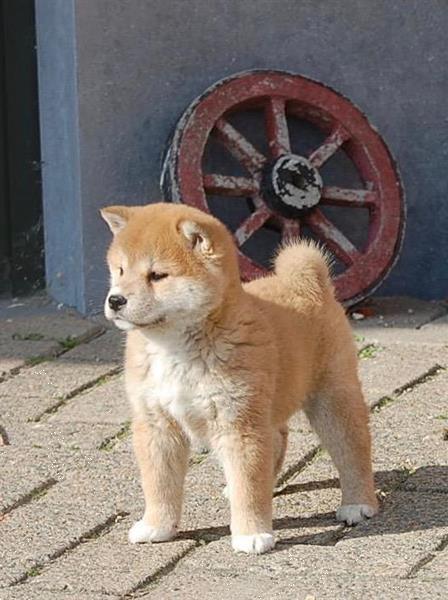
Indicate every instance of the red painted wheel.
{"type": "Point", "coordinates": [288, 190]}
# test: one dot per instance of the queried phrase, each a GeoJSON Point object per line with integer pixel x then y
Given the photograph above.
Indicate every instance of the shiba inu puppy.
{"type": "Point", "coordinates": [227, 364]}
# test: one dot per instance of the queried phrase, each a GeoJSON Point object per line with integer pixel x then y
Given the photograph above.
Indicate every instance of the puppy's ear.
{"type": "Point", "coordinates": [116, 217]}
{"type": "Point", "coordinates": [197, 236]}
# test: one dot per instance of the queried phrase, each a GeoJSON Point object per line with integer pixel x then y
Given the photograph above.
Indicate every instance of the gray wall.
{"type": "Point", "coordinates": [116, 74]}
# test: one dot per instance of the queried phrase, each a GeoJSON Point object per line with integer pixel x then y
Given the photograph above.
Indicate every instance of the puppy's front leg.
{"type": "Point", "coordinates": [162, 454]}
{"type": "Point", "coordinates": [247, 458]}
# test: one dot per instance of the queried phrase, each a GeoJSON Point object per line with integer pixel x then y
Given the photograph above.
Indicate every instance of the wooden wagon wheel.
{"type": "Point", "coordinates": [287, 188]}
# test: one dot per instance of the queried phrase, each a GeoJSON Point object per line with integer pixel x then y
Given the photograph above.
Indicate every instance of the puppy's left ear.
{"type": "Point", "coordinates": [197, 237]}
{"type": "Point", "coordinates": [116, 217]}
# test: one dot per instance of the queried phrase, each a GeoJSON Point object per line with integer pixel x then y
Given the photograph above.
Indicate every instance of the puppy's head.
{"type": "Point", "coordinates": [169, 264]}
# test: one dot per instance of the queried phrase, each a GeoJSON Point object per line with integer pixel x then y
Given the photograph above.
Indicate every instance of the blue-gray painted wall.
{"type": "Point", "coordinates": [116, 74]}
{"type": "Point", "coordinates": [60, 151]}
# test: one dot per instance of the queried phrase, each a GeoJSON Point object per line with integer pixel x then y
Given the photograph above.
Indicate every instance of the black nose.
{"type": "Point", "coordinates": [116, 301]}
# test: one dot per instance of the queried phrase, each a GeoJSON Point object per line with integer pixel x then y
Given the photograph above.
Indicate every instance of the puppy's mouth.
{"type": "Point", "coordinates": [122, 323]}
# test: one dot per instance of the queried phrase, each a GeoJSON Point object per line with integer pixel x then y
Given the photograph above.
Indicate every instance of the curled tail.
{"type": "Point", "coordinates": [304, 269]}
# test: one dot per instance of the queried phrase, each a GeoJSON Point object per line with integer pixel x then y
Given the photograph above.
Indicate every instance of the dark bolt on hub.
{"type": "Point", "coordinates": [291, 185]}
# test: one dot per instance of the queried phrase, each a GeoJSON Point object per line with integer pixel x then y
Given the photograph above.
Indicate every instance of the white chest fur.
{"type": "Point", "coordinates": [177, 381]}
{"type": "Point", "coordinates": [187, 380]}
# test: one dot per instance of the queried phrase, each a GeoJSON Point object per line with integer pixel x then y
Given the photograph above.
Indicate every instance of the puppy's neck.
{"type": "Point", "coordinates": [196, 333]}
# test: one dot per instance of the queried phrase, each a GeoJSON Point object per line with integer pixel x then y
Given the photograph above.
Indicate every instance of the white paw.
{"type": "Point", "coordinates": [253, 544]}
{"type": "Point", "coordinates": [140, 532]}
{"type": "Point", "coordinates": [225, 492]}
{"type": "Point", "coordinates": [355, 513]}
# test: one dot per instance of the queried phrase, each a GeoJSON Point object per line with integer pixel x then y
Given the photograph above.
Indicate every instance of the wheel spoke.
{"type": "Point", "coordinates": [332, 237]}
{"type": "Point", "coordinates": [277, 127]}
{"type": "Point", "coordinates": [256, 220]}
{"type": "Point", "coordinates": [290, 229]}
{"type": "Point", "coordinates": [239, 146]}
{"type": "Point", "coordinates": [338, 136]}
{"type": "Point", "coordinates": [258, 201]}
{"type": "Point", "coordinates": [335, 196]}
{"type": "Point", "coordinates": [226, 185]}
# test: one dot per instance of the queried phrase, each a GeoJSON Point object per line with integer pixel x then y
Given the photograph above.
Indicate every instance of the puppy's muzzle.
{"type": "Point", "coordinates": [116, 302]}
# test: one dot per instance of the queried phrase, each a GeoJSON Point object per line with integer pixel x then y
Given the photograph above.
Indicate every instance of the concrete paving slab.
{"type": "Point", "coordinates": [37, 304]}
{"type": "Point", "coordinates": [65, 436]}
{"type": "Point", "coordinates": [409, 432]}
{"type": "Point", "coordinates": [81, 505]}
{"type": "Point", "coordinates": [438, 326]}
{"type": "Point", "coordinates": [206, 513]}
{"type": "Point", "coordinates": [300, 424]}
{"type": "Point", "coordinates": [59, 326]}
{"type": "Point", "coordinates": [390, 368]}
{"type": "Point", "coordinates": [245, 588]}
{"type": "Point", "coordinates": [108, 347]}
{"type": "Point", "coordinates": [39, 389]}
{"type": "Point", "coordinates": [106, 403]}
{"type": "Point", "coordinates": [103, 478]}
{"type": "Point", "coordinates": [409, 528]}
{"type": "Point", "coordinates": [15, 354]}
{"type": "Point", "coordinates": [301, 445]}
{"type": "Point", "coordinates": [436, 336]}
{"type": "Point", "coordinates": [408, 321]}
{"type": "Point", "coordinates": [92, 469]}
{"type": "Point", "coordinates": [56, 378]}
{"type": "Point", "coordinates": [397, 312]}
{"type": "Point", "coordinates": [14, 490]}
{"type": "Point", "coordinates": [35, 467]}
{"type": "Point", "coordinates": [28, 542]}
{"type": "Point", "coordinates": [10, 365]}
{"type": "Point", "coordinates": [291, 587]}
{"type": "Point", "coordinates": [110, 564]}
{"type": "Point", "coordinates": [437, 568]}
{"type": "Point", "coordinates": [294, 573]}
{"type": "Point", "coordinates": [306, 515]}
{"type": "Point", "coordinates": [23, 592]}
{"type": "Point", "coordinates": [33, 329]}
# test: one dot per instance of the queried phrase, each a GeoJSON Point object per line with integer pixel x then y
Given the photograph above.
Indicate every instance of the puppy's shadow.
{"type": "Point", "coordinates": [413, 503]}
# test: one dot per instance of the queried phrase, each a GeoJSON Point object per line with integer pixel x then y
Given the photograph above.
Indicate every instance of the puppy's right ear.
{"type": "Point", "coordinates": [116, 217]}
{"type": "Point", "coordinates": [197, 237]}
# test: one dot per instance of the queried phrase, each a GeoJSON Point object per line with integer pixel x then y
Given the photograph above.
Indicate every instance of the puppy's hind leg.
{"type": "Point", "coordinates": [340, 418]}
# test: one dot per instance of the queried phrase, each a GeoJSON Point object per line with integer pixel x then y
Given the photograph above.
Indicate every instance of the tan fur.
{"type": "Point", "coordinates": [212, 360]}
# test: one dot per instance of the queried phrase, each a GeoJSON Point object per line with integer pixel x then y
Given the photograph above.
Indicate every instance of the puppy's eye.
{"type": "Point", "coordinates": [153, 276]}
{"type": "Point", "coordinates": [120, 271]}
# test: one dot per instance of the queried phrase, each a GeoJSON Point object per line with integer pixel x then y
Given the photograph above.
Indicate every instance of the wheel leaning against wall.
{"type": "Point", "coordinates": [287, 190]}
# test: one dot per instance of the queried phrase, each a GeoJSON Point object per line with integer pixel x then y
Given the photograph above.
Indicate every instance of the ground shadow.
{"type": "Point", "coordinates": [412, 503]}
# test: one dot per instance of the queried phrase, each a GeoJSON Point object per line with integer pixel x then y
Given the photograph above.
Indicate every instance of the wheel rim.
{"type": "Point", "coordinates": [288, 188]}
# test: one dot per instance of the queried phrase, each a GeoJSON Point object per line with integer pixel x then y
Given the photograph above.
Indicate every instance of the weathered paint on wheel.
{"type": "Point", "coordinates": [281, 94]}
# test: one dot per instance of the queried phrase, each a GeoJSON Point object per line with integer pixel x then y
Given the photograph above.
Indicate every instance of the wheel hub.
{"type": "Point", "coordinates": [291, 185]}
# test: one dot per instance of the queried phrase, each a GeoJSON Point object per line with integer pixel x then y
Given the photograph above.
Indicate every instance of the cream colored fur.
{"type": "Point", "coordinates": [209, 360]}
